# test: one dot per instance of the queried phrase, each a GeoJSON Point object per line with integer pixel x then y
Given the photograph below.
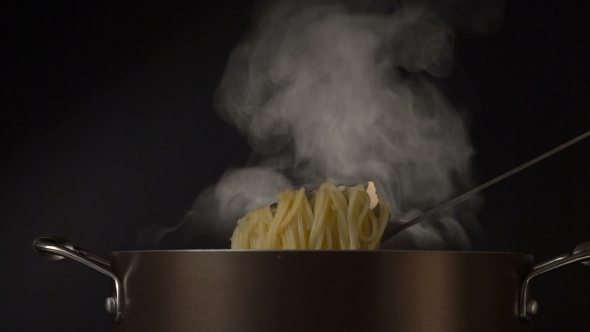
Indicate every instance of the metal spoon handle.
{"type": "Point", "coordinates": [398, 226]}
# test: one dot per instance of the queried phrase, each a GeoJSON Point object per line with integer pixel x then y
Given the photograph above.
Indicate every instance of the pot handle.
{"type": "Point", "coordinates": [527, 308]}
{"type": "Point", "coordinates": [56, 247]}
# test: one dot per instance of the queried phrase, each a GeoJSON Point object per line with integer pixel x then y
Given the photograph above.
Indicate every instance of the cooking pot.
{"type": "Point", "coordinates": [323, 290]}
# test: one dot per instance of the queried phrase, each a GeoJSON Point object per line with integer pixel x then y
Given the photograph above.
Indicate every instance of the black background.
{"type": "Point", "coordinates": [108, 127]}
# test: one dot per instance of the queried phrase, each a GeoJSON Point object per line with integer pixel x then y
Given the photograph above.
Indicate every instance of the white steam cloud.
{"type": "Point", "coordinates": [339, 91]}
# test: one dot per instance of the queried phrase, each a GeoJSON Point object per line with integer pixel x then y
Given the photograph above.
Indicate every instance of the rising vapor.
{"type": "Point", "coordinates": [340, 91]}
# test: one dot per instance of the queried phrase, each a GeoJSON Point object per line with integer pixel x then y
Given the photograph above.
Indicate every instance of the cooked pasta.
{"type": "Point", "coordinates": [330, 218]}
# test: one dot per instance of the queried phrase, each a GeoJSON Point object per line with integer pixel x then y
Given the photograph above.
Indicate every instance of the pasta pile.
{"type": "Point", "coordinates": [330, 218]}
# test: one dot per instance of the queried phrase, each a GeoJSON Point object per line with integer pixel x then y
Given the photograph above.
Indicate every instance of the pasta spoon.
{"type": "Point", "coordinates": [394, 226]}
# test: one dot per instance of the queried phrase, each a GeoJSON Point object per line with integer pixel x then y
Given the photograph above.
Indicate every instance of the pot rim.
{"type": "Point", "coordinates": [311, 251]}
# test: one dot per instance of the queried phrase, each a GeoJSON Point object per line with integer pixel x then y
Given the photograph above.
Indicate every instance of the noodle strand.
{"type": "Point", "coordinates": [330, 218]}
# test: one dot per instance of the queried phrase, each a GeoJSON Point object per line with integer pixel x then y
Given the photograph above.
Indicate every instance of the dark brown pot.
{"type": "Point", "coordinates": [224, 290]}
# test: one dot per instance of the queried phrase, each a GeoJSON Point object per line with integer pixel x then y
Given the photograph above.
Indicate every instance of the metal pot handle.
{"type": "Point", "coordinates": [56, 247]}
{"type": "Point", "coordinates": [527, 308]}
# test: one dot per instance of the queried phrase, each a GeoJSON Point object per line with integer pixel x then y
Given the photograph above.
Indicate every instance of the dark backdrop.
{"type": "Point", "coordinates": [108, 127]}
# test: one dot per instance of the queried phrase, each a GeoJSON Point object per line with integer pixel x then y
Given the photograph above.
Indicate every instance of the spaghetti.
{"type": "Point", "coordinates": [330, 218]}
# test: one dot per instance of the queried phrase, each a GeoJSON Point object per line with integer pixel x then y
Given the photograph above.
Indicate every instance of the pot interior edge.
{"type": "Point", "coordinates": [310, 252]}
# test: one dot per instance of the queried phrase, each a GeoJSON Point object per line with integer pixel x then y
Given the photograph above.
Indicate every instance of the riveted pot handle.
{"type": "Point", "coordinates": [527, 308]}
{"type": "Point", "coordinates": [56, 247]}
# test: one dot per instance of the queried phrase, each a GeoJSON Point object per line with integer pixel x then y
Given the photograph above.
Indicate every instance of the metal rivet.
{"type": "Point", "coordinates": [111, 305]}
{"type": "Point", "coordinates": [532, 308]}
{"type": "Point", "coordinates": [582, 247]}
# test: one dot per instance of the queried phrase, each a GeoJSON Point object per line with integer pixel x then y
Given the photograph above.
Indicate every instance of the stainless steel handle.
{"type": "Point", "coordinates": [56, 247]}
{"type": "Point", "coordinates": [527, 308]}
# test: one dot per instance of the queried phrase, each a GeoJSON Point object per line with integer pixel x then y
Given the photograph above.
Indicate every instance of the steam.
{"type": "Point", "coordinates": [341, 92]}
